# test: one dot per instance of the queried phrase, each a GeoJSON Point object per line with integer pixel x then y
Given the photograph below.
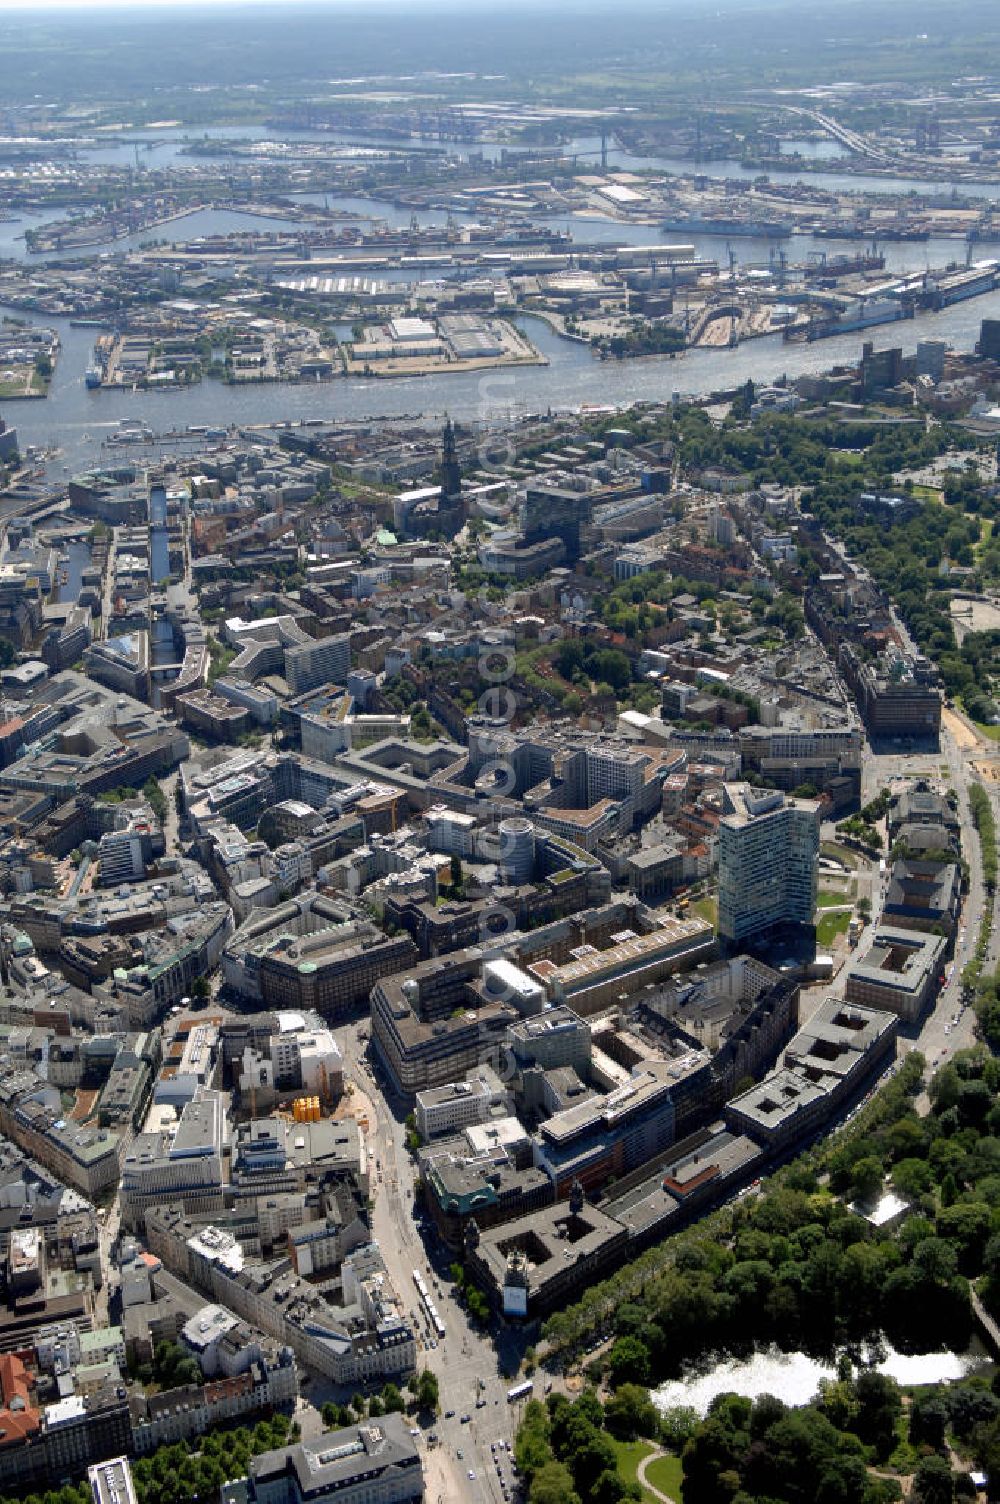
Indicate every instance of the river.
{"type": "Point", "coordinates": [159, 551]}
{"type": "Point", "coordinates": [77, 419]}
{"type": "Point", "coordinates": [594, 229]}
{"type": "Point", "coordinates": [167, 148]}
{"type": "Point", "coordinates": [77, 559]}
{"type": "Point", "coordinates": [795, 1377]}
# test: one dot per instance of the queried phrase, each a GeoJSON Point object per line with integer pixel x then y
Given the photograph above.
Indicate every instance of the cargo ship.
{"type": "Point", "coordinates": [843, 231]}
{"type": "Point", "coordinates": [92, 376]}
{"type": "Point", "coordinates": [697, 224]}
{"type": "Point", "coordinates": [864, 318]}
{"type": "Point", "coordinates": [844, 265]}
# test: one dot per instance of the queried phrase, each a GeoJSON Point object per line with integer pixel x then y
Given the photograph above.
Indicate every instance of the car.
{"type": "Point", "coordinates": [466, 1419]}
{"type": "Point", "coordinates": [471, 1475]}
{"type": "Point", "coordinates": [460, 1455]}
{"type": "Point", "coordinates": [493, 1446]}
{"type": "Point", "coordinates": [449, 1415]}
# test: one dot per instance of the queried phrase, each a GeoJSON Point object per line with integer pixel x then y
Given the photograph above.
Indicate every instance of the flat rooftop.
{"type": "Point", "coordinates": [899, 960]}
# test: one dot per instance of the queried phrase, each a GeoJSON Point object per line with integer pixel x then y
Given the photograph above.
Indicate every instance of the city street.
{"type": "Point", "coordinates": [474, 1412]}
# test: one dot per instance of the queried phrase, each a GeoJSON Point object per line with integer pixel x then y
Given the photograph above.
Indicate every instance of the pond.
{"type": "Point", "coordinates": [794, 1377]}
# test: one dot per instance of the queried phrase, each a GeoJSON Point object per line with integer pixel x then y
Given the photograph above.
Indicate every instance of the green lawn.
{"type": "Point", "coordinates": [706, 908]}
{"type": "Point", "coordinates": [993, 732]}
{"type": "Point", "coordinates": [668, 1475]}
{"type": "Point", "coordinates": [630, 1454]}
{"type": "Point", "coordinates": [832, 900]}
{"type": "Point", "coordinates": [832, 925]}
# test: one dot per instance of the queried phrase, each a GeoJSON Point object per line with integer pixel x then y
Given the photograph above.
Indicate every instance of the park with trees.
{"type": "Point", "coordinates": [796, 1266]}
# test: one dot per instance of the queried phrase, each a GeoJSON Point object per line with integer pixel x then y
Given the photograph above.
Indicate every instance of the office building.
{"type": "Point", "coordinates": [446, 1109]}
{"type": "Point", "coordinates": [594, 978]}
{"type": "Point", "coordinates": [900, 971]}
{"type": "Point", "coordinates": [111, 1481]}
{"type": "Point", "coordinates": [184, 1167]}
{"type": "Point", "coordinates": [329, 972]}
{"type": "Point", "coordinates": [81, 1429]}
{"type": "Point", "coordinates": [327, 660]}
{"type": "Point", "coordinates": [542, 1260]}
{"type": "Point", "coordinates": [923, 896]}
{"type": "Point", "coordinates": [557, 1037]}
{"type": "Point", "coordinates": [768, 855]}
{"type": "Point", "coordinates": [551, 511]}
{"type": "Point", "coordinates": [612, 1135]}
{"type": "Point", "coordinates": [830, 1059]}
{"type": "Point", "coordinates": [376, 1462]}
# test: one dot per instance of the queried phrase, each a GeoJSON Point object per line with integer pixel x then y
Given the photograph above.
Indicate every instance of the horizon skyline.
{"type": "Point", "coordinates": [135, 8]}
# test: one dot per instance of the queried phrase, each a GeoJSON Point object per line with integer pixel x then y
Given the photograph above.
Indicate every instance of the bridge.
{"type": "Point", "coordinates": [853, 140]}
{"type": "Point", "coordinates": [988, 1328]}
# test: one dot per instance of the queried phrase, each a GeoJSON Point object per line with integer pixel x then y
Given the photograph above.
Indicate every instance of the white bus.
{"type": "Point", "coordinates": [520, 1391]}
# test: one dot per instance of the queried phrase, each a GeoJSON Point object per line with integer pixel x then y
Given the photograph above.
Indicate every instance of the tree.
{"type": "Point", "coordinates": [155, 798]}
{"type": "Point", "coordinates": [677, 1426]}
{"type": "Point", "coordinates": [591, 1453]}
{"type": "Point", "coordinates": [630, 1413]}
{"type": "Point", "coordinates": [531, 1445]}
{"type": "Point", "coordinates": [392, 1400]}
{"type": "Point", "coordinates": [928, 1421]}
{"type": "Point", "coordinates": [628, 1362]}
{"type": "Point", "coordinates": [866, 1179]}
{"type": "Point", "coordinates": [879, 1408]}
{"type": "Point", "coordinates": [932, 1483]}
{"type": "Point", "coordinates": [553, 1484]}
{"type": "Point", "coordinates": [479, 1306]}
{"type": "Point", "coordinates": [609, 1488]}
{"type": "Point", "coordinates": [456, 871]}
{"type": "Point", "coordinates": [610, 665]}
{"type": "Point", "coordinates": [427, 1391]}
{"type": "Point", "coordinates": [845, 1483]}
